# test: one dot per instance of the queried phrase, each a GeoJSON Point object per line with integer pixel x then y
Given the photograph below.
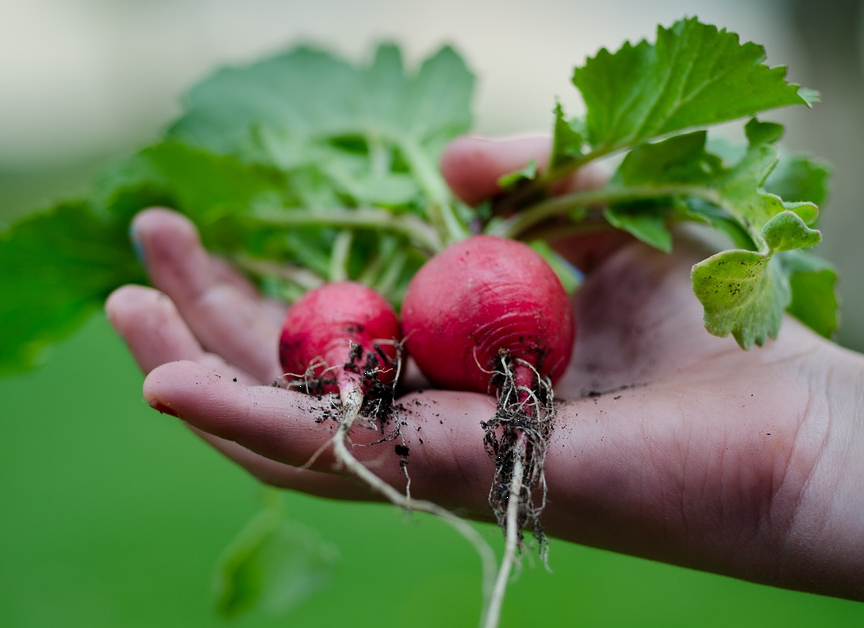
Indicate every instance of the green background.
{"type": "Point", "coordinates": [115, 516]}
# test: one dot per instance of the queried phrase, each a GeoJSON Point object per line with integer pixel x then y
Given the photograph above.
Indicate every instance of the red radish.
{"type": "Point", "coordinates": [339, 336]}
{"type": "Point", "coordinates": [481, 299]}
{"type": "Point", "coordinates": [490, 315]}
{"type": "Point", "coordinates": [343, 337]}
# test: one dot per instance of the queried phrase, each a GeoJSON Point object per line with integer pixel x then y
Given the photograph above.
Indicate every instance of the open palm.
{"type": "Point", "coordinates": [668, 443]}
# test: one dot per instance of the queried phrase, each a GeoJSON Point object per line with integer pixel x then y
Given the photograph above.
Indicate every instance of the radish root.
{"type": "Point", "coordinates": [517, 439]}
{"type": "Point", "coordinates": [354, 405]}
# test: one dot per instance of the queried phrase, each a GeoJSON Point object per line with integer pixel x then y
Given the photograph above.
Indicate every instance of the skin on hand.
{"type": "Point", "coordinates": [669, 443]}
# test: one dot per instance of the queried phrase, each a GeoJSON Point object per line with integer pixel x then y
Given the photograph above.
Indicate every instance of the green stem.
{"type": "Point", "coordinates": [387, 281]}
{"type": "Point", "coordinates": [379, 156]}
{"type": "Point", "coordinates": [544, 180]}
{"type": "Point", "coordinates": [441, 209]}
{"type": "Point", "coordinates": [296, 275]}
{"type": "Point", "coordinates": [559, 206]}
{"type": "Point", "coordinates": [340, 255]}
{"type": "Point", "coordinates": [420, 233]}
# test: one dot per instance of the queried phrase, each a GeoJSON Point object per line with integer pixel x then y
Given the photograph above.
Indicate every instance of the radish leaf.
{"type": "Point", "coordinates": [58, 268]}
{"type": "Point", "coordinates": [694, 75]}
{"type": "Point", "coordinates": [744, 293]}
{"type": "Point", "coordinates": [273, 565]}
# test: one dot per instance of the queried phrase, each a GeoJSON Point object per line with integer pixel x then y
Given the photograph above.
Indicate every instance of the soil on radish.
{"type": "Point", "coordinates": [523, 421]}
{"type": "Point", "coordinates": [379, 398]}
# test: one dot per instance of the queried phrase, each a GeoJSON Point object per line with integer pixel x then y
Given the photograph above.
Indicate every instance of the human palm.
{"type": "Point", "coordinates": [668, 442]}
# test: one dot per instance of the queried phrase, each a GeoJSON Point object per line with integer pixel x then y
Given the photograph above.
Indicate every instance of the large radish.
{"type": "Point", "coordinates": [481, 300]}
{"type": "Point", "coordinates": [489, 314]}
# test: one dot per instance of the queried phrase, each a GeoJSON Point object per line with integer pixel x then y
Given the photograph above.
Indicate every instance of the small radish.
{"type": "Point", "coordinates": [489, 314]}
{"type": "Point", "coordinates": [345, 338]}
{"type": "Point", "coordinates": [342, 337]}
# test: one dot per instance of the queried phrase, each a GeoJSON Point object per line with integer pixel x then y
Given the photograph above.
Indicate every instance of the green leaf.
{"type": "Point", "coordinates": [814, 298]}
{"type": "Point", "coordinates": [744, 293]}
{"type": "Point", "coordinates": [273, 566]}
{"type": "Point", "coordinates": [58, 267]}
{"type": "Point", "coordinates": [301, 89]}
{"type": "Point", "coordinates": [646, 222]}
{"type": "Point", "coordinates": [309, 95]}
{"type": "Point", "coordinates": [568, 138]}
{"type": "Point", "coordinates": [344, 177]}
{"type": "Point", "coordinates": [681, 159]}
{"type": "Point", "coordinates": [694, 75]}
{"type": "Point", "coordinates": [787, 231]}
{"type": "Point", "coordinates": [194, 181]}
{"type": "Point", "coordinates": [511, 180]}
{"type": "Point", "coordinates": [800, 178]}
{"type": "Point", "coordinates": [758, 132]}
{"type": "Point", "coordinates": [438, 103]}
{"type": "Point", "coordinates": [217, 192]}
{"type": "Point", "coordinates": [745, 198]}
{"type": "Point", "coordinates": [372, 134]}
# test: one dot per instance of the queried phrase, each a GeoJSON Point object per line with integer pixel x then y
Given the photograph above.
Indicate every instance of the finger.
{"type": "Point", "coordinates": [473, 167]}
{"type": "Point", "coordinates": [156, 335]}
{"type": "Point", "coordinates": [446, 460]}
{"type": "Point", "coordinates": [155, 332]}
{"type": "Point", "coordinates": [225, 318]}
{"type": "Point", "coordinates": [225, 273]}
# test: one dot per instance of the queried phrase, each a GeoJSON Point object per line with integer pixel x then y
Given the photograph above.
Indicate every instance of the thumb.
{"type": "Point", "coordinates": [473, 166]}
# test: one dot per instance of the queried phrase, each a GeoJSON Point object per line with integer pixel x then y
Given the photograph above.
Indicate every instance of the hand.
{"type": "Point", "coordinates": [669, 443]}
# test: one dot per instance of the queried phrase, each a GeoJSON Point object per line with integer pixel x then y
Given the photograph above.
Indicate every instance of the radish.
{"type": "Point", "coordinates": [344, 338]}
{"type": "Point", "coordinates": [341, 337]}
{"type": "Point", "coordinates": [480, 300]}
{"type": "Point", "coordinates": [488, 314]}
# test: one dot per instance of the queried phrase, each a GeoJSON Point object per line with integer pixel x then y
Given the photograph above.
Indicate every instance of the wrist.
{"type": "Point", "coordinates": [823, 551]}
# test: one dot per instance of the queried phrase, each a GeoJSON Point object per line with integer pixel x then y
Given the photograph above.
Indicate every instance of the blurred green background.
{"type": "Point", "coordinates": [113, 515]}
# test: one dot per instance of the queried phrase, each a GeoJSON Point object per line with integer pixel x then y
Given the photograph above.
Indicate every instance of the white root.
{"type": "Point", "coordinates": [512, 541]}
{"type": "Point", "coordinates": [351, 404]}
{"type": "Point", "coordinates": [518, 438]}
{"type": "Point", "coordinates": [352, 401]}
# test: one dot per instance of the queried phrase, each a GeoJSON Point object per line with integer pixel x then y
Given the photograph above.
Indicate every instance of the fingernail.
{"type": "Point", "coordinates": [137, 247]}
{"type": "Point", "coordinates": [161, 408]}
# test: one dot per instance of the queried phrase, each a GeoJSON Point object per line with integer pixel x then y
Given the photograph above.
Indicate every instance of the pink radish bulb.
{"type": "Point", "coordinates": [337, 333]}
{"type": "Point", "coordinates": [481, 299]}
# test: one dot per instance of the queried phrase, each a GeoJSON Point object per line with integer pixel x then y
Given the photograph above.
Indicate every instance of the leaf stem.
{"type": "Point", "coordinates": [558, 206]}
{"type": "Point", "coordinates": [296, 275]}
{"type": "Point", "coordinates": [420, 233]}
{"type": "Point", "coordinates": [387, 281]}
{"type": "Point", "coordinates": [441, 209]}
{"type": "Point", "coordinates": [384, 253]}
{"type": "Point", "coordinates": [339, 256]}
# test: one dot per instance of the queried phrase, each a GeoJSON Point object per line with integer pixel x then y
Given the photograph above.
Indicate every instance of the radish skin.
{"type": "Point", "coordinates": [334, 333]}
{"type": "Point", "coordinates": [478, 298]}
